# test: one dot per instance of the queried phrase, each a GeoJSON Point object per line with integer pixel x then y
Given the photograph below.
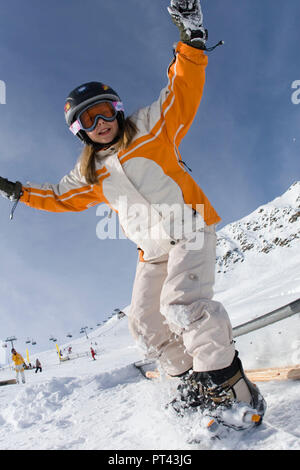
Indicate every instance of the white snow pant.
{"type": "Point", "coordinates": [172, 313]}
{"type": "Point", "coordinates": [20, 370]}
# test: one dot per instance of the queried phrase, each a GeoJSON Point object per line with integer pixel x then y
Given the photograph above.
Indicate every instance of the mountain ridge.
{"type": "Point", "coordinates": [271, 226]}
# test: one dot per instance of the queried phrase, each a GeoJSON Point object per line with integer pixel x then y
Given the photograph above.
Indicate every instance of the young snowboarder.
{"type": "Point", "coordinates": [19, 365]}
{"type": "Point", "coordinates": [133, 165]}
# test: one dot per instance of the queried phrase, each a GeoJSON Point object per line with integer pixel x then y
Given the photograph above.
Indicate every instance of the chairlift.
{"type": "Point", "coordinates": [28, 341]}
{"type": "Point", "coordinates": [69, 335]}
{"type": "Point", "coordinates": [33, 342]}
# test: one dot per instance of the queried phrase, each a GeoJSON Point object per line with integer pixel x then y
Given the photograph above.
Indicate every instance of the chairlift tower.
{"type": "Point", "coordinates": [11, 340]}
{"type": "Point", "coordinates": [83, 330]}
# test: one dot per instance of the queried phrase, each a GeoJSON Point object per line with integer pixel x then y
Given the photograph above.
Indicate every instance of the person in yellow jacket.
{"type": "Point", "coordinates": [19, 365]}
{"type": "Point", "coordinates": [133, 165]}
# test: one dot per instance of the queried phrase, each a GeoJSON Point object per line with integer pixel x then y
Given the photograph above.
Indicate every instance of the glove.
{"type": "Point", "coordinates": [187, 16]}
{"type": "Point", "coordinates": [10, 190]}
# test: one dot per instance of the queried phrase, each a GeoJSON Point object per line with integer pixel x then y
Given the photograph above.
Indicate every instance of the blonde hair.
{"type": "Point", "coordinates": [89, 154]}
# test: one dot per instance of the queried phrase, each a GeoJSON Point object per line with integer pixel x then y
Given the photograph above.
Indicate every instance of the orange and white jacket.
{"type": "Point", "coordinates": [150, 171]}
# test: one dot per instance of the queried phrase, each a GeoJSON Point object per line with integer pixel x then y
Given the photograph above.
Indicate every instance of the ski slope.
{"type": "Point", "coordinates": [106, 404]}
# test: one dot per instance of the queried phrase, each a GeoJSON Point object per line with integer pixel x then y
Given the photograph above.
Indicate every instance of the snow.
{"type": "Point", "coordinates": [107, 405]}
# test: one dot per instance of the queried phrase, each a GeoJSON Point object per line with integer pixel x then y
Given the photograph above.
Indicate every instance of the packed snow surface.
{"type": "Point", "coordinates": [107, 404]}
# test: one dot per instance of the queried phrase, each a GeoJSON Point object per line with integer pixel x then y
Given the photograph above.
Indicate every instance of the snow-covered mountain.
{"type": "Point", "coordinates": [258, 270]}
{"type": "Point", "coordinates": [106, 404]}
{"type": "Point", "coordinates": [273, 225]}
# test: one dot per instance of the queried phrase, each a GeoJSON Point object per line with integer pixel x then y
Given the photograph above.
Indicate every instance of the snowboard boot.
{"type": "Point", "coordinates": [218, 391]}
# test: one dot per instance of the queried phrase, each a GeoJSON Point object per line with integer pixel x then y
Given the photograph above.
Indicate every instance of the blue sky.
{"type": "Point", "coordinates": [243, 146]}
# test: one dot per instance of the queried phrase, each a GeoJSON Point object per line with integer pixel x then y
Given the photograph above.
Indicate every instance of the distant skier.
{"type": "Point", "coordinates": [133, 164]}
{"type": "Point", "coordinates": [93, 353]}
{"type": "Point", "coordinates": [19, 365]}
{"type": "Point", "coordinates": [38, 366]}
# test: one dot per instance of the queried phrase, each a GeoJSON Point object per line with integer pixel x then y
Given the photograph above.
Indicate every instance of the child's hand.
{"type": "Point", "coordinates": [187, 16]}
{"type": "Point", "coordinates": [10, 190]}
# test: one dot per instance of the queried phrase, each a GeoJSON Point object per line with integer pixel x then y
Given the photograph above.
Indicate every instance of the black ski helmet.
{"type": "Point", "coordinates": [84, 95]}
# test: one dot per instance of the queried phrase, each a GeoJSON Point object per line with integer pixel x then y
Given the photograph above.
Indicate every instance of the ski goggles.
{"type": "Point", "coordinates": [87, 118]}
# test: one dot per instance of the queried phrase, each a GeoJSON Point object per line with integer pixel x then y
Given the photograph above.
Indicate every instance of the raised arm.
{"type": "Point", "coordinates": [181, 98]}
{"type": "Point", "coordinates": [176, 107]}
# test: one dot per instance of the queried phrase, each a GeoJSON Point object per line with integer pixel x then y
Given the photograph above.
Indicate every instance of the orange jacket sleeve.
{"type": "Point", "coordinates": [186, 84]}
{"type": "Point", "coordinates": [70, 194]}
{"type": "Point", "coordinates": [178, 102]}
